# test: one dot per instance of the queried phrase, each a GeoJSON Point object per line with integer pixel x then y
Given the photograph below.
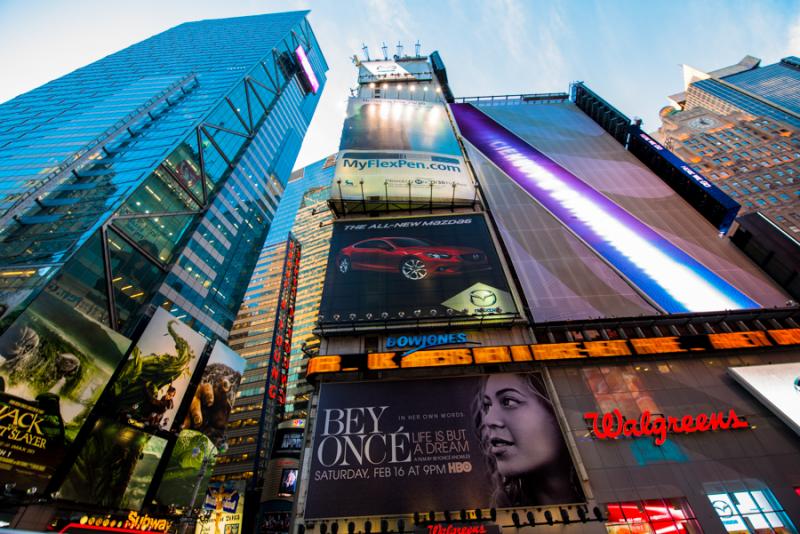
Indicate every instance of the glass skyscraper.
{"type": "Point", "coordinates": [151, 176]}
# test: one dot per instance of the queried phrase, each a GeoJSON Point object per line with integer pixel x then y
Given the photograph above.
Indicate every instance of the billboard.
{"type": "Point", "coordinates": [400, 151]}
{"type": "Point", "coordinates": [591, 231]}
{"type": "Point", "coordinates": [54, 363]}
{"type": "Point", "coordinates": [114, 468]}
{"type": "Point", "coordinates": [776, 386]}
{"type": "Point", "coordinates": [414, 269]}
{"type": "Point", "coordinates": [193, 453]}
{"type": "Point", "coordinates": [448, 444]}
{"type": "Point", "coordinates": [151, 386]}
{"type": "Point", "coordinates": [225, 500]}
{"type": "Point", "coordinates": [213, 400]}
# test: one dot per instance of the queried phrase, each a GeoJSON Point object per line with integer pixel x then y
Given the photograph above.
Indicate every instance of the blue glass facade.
{"type": "Point", "coordinates": [317, 174]}
{"type": "Point", "coordinates": [152, 175]}
{"type": "Point", "coordinates": [772, 91]}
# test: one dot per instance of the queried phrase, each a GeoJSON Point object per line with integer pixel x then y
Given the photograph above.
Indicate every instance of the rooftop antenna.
{"type": "Point", "coordinates": [385, 51]}
{"type": "Point", "coordinates": [365, 49]}
{"type": "Point", "coordinates": [417, 47]}
{"type": "Point", "coordinates": [399, 49]}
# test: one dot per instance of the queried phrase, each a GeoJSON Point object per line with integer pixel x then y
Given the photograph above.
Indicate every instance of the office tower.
{"type": "Point", "coordinates": [532, 316]}
{"type": "Point", "coordinates": [137, 193]}
{"type": "Point", "coordinates": [738, 127]}
{"type": "Point", "coordinates": [170, 155]}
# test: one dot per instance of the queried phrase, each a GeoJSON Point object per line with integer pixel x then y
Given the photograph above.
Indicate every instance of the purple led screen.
{"type": "Point", "coordinates": [671, 279]}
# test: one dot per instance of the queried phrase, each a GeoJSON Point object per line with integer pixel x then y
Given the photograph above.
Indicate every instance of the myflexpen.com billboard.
{"type": "Point", "coordinates": [400, 152]}
{"type": "Point", "coordinates": [414, 269]}
{"type": "Point", "coordinates": [475, 442]}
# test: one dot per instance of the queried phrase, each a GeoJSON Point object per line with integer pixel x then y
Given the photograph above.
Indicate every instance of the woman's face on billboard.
{"type": "Point", "coordinates": [519, 425]}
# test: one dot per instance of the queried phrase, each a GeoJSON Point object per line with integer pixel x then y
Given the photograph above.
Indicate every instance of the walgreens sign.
{"type": "Point", "coordinates": [613, 425]}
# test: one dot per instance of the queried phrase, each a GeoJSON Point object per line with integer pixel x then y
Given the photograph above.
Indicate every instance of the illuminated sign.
{"type": "Point", "coordinates": [305, 66]}
{"type": "Point", "coordinates": [701, 343]}
{"type": "Point", "coordinates": [776, 386]}
{"type": "Point", "coordinates": [670, 277]}
{"type": "Point", "coordinates": [613, 425]}
{"type": "Point", "coordinates": [419, 342]}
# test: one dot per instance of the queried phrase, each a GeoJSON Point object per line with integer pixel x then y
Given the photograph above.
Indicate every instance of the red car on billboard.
{"type": "Point", "coordinates": [412, 258]}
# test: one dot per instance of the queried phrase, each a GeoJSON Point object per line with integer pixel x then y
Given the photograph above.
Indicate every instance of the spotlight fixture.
{"type": "Point", "coordinates": [335, 528]}
{"type": "Point", "coordinates": [478, 514]}
{"type": "Point", "coordinates": [515, 519]}
{"type": "Point", "coordinates": [493, 514]}
{"type": "Point", "coordinates": [564, 516]}
{"type": "Point", "coordinates": [401, 314]}
{"type": "Point", "coordinates": [447, 515]}
{"type": "Point", "coordinates": [384, 526]}
{"type": "Point", "coordinates": [367, 527]}
{"type": "Point", "coordinates": [417, 313]}
{"type": "Point", "coordinates": [531, 518]}
{"type": "Point", "coordinates": [598, 514]}
{"type": "Point", "coordinates": [369, 316]}
{"type": "Point", "coordinates": [548, 517]}
{"type": "Point", "coordinates": [384, 315]}
{"type": "Point", "coordinates": [416, 518]}
{"type": "Point", "coordinates": [352, 316]}
{"type": "Point", "coordinates": [351, 527]}
{"type": "Point", "coordinates": [323, 528]}
{"type": "Point", "coordinates": [336, 316]}
{"type": "Point", "coordinates": [401, 526]}
{"type": "Point", "coordinates": [463, 514]}
{"type": "Point", "coordinates": [433, 312]}
{"type": "Point", "coordinates": [431, 516]}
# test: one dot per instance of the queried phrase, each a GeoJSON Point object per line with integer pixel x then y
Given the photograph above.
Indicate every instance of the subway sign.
{"type": "Point", "coordinates": [702, 343]}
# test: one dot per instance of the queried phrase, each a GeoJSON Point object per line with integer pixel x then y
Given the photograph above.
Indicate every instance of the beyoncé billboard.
{"type": "Point", "coordinates": [414, 269]}
{"type": "Point", "coordinates": [474, 442]}
{"type": "Point", "coordinates": [399, 153]}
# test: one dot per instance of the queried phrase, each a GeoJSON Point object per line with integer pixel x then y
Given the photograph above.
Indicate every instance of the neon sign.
{"type": "Point", "coordinates": [613, 425]}
{"type": "Point", "coordinates": [305, 66]}
{"type": "Point", "coordinates": [671, 278]}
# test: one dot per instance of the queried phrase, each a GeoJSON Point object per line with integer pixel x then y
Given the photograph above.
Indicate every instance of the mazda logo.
{"type": "Point", "coordinates": [482, 297]}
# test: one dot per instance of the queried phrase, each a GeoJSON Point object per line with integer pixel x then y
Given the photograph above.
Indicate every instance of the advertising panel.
{"type": "Point", "coordinates": [193, 454]}
{"type": "Point", "coordinates": [54, 364]}
{"type": "Point", "coordinates": [776, 386]}
{"type": "Point", "coordinates": [225, 501]}
{"type": "Point", "coordinates": [400, 151]}
{"type": "Point", "coordinates": [476, 442]}
{"type": "Point", "coordinates": [152, 384]}
{"type": "Point", "coordinates": [414, 269]}
{"type": "Point", "coordinates": [114, 467]}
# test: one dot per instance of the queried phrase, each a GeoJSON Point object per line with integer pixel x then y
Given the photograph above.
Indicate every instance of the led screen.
{"type": "Point", "coordinates": [414, 269]}
{"type": "Point", "coordinates": [391, 447]}
{"type": "Point", "coordinates": [305, 67]}
{"type": "Point", "coordinates": [563, 193]}
{"type": "Point", "coordinates": [151, 386]}
{"type": "Point", "coordinates": [400, 152]}
{"type": "Point", "coordinates": [288, 484]}
{"type": "Point", "coordinates": [55, 361]}
{"type": "Point", "coordinates": [777, 386]}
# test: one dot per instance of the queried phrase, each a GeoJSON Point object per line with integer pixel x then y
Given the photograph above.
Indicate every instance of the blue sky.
{"type": "Point", "coordinates": [629, 52]}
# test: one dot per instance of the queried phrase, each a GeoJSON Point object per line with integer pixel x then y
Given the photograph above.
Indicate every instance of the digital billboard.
{"type": "Point", "coordinates": [54, 363]}
{"type": "Point", "coordinates": [193, 453]}
{"type": "Point", "coordinates": [449, 444]}
{"type": "Point", "coordinates": [151, 386]}
{"type": "Point", "coordinates": [114, 468]}
{"type": "Point", "coordinates": [776, 386]}
{"type": "Point", "coordinates": [591, 231]}
{"type": "Point", "coordinates": [414, 269]}
{"type": "Point", "coordinates": [225, 500]}
{"type": "Point", "coordinates": [399, 152]}
{"type": "Point", "coordinates": [213, 400]}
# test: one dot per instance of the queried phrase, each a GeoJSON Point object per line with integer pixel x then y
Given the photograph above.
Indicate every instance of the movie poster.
{"type": "Point", "coordinates": [114, 468]}
{"type": "Point", "coordinates": [400, 150]}
{"type": "Point", "coordinates": [194, 453]}
{"type": "Point", "coordinates": [54, 363]}
{"type": "Point", "coordinates": [418, 268]}
{"type": "Point", "coordinates": [152, 384]}
{"type": "Point", "coordinates": [203, 429]}
{"type": "Point", "coordinates": [476, 442]}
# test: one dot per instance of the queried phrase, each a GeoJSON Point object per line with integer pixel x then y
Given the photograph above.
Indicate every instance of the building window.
{"type": "Point", "coordinates": [656, 516]}
{"type": "Point", "coordinates": [751, 512]}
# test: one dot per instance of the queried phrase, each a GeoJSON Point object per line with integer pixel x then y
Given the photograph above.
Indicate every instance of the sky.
{"type": "Point", "coordinates": [629, 52]}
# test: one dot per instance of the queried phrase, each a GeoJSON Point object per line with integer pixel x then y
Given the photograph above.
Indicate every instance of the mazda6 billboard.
{"type": "Point", "coordinates": [461, 443]}
{"type": "Point", "coordinates": [414, 269]}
